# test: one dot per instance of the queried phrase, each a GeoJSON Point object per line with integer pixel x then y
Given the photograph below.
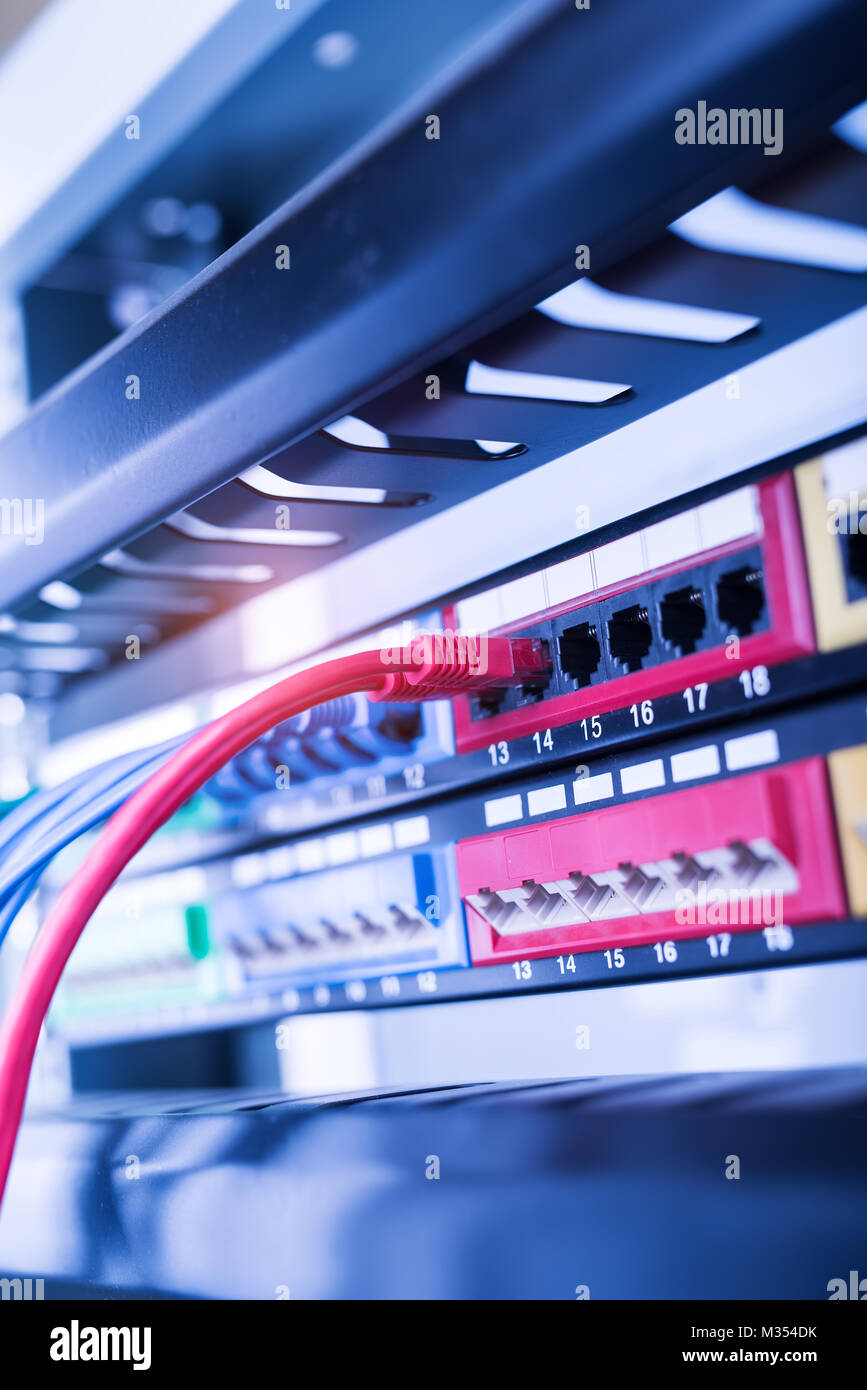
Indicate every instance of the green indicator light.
{"type": "Point", "coordinates": [196, 916]}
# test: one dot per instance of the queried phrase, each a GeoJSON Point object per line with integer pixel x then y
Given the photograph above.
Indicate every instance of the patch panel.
{"type": "Point", "coordinates": [832, 492]}
{"type": "Point", "coordinates": [743, 852]}
{"type": "Point", "coordinates": [344, 738]}
{"type": "Point", "coordinates": [848, 768]}
{"type": "Point", "coordinates": [148, 947]}
{"type": "Point", "coordinates": [694, 599]}
{"type": "Point", "coordinates": [395, 914]}
{"type": "Point", "coordinates": [194, 940]}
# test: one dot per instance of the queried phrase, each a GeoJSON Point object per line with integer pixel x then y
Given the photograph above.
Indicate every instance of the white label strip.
{"type": "Point", "coordinates": [415, 830]}
{"type": "Point", "coordinates": [342, 848]}
{"type": "Point", "coordinates": [619, 560]}
{"type": "Point", "coordinates": [734, 223]}
{"type": "Point", "coordinates": [248, 871]}
{"type": "Point", "coordinates": [523, 596]}
{"type": "Point", "coordinates": [570, 579]}
{"type": "Point", "coordinates": [503, 809]}
{"type": "Point", "coordinates": [696, 762]}
{"type": "Point", "coordinates": [640, 777]}
{"type": "Point", "coordinates": [280, 861]}
{"type": "Point", "coordinates": [542, 800]}
{"type": "Point", "coordinates": [375, 839]}
{"type": "Point", "coordinates": [310, 855]}
{"type": "Point", "coordinates": [595, 788]}
{"type": "Point", "coordinates": [734, 516]}
{"type": "Point", "coordinates": [497, 381]}
{"type": "Point", "coordinates": [587, 305]}
{"type": "Point", "coordinates": [752, 750]}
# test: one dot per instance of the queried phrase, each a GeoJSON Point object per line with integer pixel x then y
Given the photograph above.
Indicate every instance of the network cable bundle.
{"type": "Point", "coordinates": [433, 696]}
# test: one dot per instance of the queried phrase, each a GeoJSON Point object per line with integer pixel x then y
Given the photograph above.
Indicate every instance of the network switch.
{"type": "Point", "coordinates": [757, 850]}
{"type": "Point", "coordinates": [715, 590]}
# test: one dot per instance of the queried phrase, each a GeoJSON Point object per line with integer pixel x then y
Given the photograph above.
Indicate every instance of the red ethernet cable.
{"type": "Point", "coordinates": [430, 668]}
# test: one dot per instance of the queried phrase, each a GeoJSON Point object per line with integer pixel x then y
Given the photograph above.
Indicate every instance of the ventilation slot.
{"type": "Point", "coordinates": [358, 434]}
{"type": "Point", "coordinates": [587, 305]}
{"type": "Point", "coordinates": [496, 381]}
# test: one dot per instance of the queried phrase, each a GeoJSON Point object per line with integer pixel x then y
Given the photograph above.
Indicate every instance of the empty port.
{"type": "Point", "coordinates": [747, 865]}
{"type": "Point", "coordinates": [541, 903]}
{"type": "Point", "coordinates": [740, 597]}
{"type": "Point", "coordinates": [534, 690]}
{"type": "Point", "coordinates": [855, 554]}
{"type": "Point", "coordinates": [630, 636]}
{"type": "Point", "coordinates": [683, 618]}
{"type": "Point", "coordinates": [590, 898]}
{"type": "Point", "coordinates": [400, 723]}
{"type": "Point", "coordinates": [485, 705]}
{"type": "Point", "coordinates": [638, 886]}
{"type": "Point", "coordinates": [580, 652]}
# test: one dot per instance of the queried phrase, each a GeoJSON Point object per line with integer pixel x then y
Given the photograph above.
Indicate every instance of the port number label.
{"type": "Point", "coordinates": [666, 952]}
{"type": "Point", "coordinates": [779, 937]}
{"type": "Point", "coordinates": [543, 741]}
{"type": "Point", "coordinates": [642, 714]}
{"type": "Point", "coordinates": [523, 969]}
{"type": "Point", "coordinates": [591, 728]}
{"type": "Point", "coordinates": [719, 945]}
{"type": "Point", "coordinates": [427, 982]}
{"type": "Point", "coordinates": [499, 753]}
{"type": "Point", "coordinates": [413, 776]}
{"type": "Point", "coordinates": [755, 682]}
{"type": "Point", "coordinates": [696, 697]}
{"type": "Point", "coordinates": [566, 964]}
{"type": "Point", "coordinates": [615, 959]}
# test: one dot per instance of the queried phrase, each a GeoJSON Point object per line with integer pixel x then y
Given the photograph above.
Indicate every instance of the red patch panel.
{"type": "Point", "coordinates": [788, 633]}
{"type": "Point", "coordinates": [767, 829]}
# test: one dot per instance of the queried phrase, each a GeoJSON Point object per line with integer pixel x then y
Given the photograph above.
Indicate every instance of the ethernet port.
{"type": "Point", "coordinates": [630, 636]}
{"type": "Point", "coordinates": [740, 599]}
{"type": "Point", "coordinates": [580, 652]}
{"type": "Point", "coordinates": [489, 703]}
{"type": "Point", "coordinates": [855, 560]}
{"type": "Point", "coordinates": [683, 618]}
{"type": "Point", "coordinates": [537, 688]}
{"type": "Point", "coordinates": [399, 723]}
{"type": "Point", "coordinates": [486, 705]}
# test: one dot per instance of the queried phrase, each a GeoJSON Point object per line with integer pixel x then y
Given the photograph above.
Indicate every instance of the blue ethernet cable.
{"type": "Point", "coordinates": [58, 817]}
